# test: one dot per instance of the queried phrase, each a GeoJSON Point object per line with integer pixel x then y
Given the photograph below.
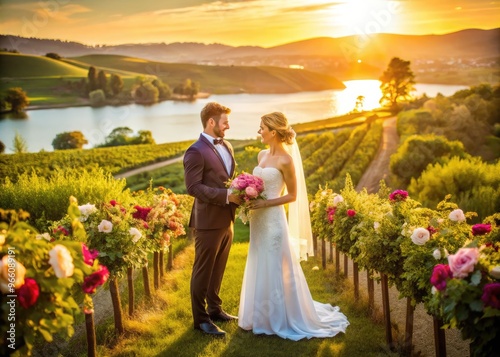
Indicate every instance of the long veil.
{"type": "Point", "coordinates": [299, 220]}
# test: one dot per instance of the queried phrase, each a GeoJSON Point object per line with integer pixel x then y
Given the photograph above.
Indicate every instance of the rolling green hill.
{"type": "Point", "coordinates": [14, 65]}
{"type": "Point", "coordinates": [221, 79]}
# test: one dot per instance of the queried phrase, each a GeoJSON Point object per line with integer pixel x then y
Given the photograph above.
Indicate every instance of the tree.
{"type": "Point", "coordinates": [92, 78]}
{"type": "Point", "coordinates": [119, 136]}
{"type": "Point", "coordinates": [164, 91]}
{"type": "Point", "coordinates": [397, 83]}
{"type": "Point", "coordinates": [19, 144]}
{"type": "Point", "coordinates": [17, 99]}
{"type": "Point", "coordinates": [116, 84]}
{"type": "Point", "coordinates": [102, 81]}
{"type": "Point", "coordinates": [69, 140]}
{"type": "Point", "coordinates": [144, 137]}
{"type": "Point", "coordinates": [146, 93]}
{"type": "Point", "coordinates": [2, 147]}
{"type": "Point", "coordinates": [53, 55]}
{"type": "Point", "coordinates": [360, 102]}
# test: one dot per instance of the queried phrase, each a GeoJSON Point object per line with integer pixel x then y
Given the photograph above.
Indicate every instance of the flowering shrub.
{"type": "Point", "coordinates": [248, 187]}
{"type": "Point", "coordinates": [38, 276]}
{"type": "Point", "coordinates": [467, 294]}
{"type": "Point", "coordinates": [159, 217]}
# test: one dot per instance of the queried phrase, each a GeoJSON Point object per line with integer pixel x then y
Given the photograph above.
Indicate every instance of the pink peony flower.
{"type": "Point", "coordinates": [398, 195]}
{"type": "Point", "coordinates": [351, 212]}
{"type": "Point", "coordinates": [91, 282]}
{"type": "Point", "coordinates": [89, 255]}
{"type": "Point", "coordinates": [491, 295]}
{"type": "Point", "coordinates": [251, 192]}
{"type": "Point", "coordinates": [330, 211]}
{"type": "Point", "coordinates": [440, 274]}
{"type": "Point", "coordinates": [481, 229]}
{"type": "Point", "coordinates": [462, 262]}
{"type": "Point", "coordinates": [28, 293]}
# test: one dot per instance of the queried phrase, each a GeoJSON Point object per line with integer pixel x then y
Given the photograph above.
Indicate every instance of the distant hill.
{"type": "Point", "coordinates": [220, 79]}
{"type": "Point", "coordinates": [21, 70]}
{"type": "Point", "coordinates": [25, 66]}
{"type": "Point", "coordinates": [374, 48]}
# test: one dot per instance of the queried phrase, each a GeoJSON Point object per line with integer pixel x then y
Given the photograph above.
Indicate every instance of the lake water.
{"type": "Point", "coordinates": [172, 121]}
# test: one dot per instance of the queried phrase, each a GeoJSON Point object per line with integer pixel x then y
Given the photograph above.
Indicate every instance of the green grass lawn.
{"type": "Point", "coordinates": [164, 327]}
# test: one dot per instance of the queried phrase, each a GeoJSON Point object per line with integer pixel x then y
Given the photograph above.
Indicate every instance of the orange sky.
{"type": "Point", "coordinates": [243, 22]}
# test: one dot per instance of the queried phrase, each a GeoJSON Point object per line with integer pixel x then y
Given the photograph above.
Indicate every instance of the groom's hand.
{"type": "Point", "coordinates": [234, 198]}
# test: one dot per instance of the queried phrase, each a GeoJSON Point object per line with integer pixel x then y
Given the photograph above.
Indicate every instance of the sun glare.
{"type": "Point", "coordinates": [365, 16]}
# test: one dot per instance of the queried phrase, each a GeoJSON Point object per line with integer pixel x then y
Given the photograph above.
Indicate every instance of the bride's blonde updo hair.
{"type": "Point", "coordinates": [277, 121]}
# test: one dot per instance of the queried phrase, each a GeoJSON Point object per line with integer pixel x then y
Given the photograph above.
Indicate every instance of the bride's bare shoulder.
{"type": "Point", "coordinates": [261, 154]}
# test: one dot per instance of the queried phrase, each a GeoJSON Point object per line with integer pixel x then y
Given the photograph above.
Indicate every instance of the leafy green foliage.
{"type": "Point", "coordinates": [418, 151]}
{"type": "Point", "coordinates": [69, 140]}
{"type": "Point", "coordinates": [17, 99]}
{"type": "Point", "coordinates": [113, 160]}
{"type": "Point", "coordinates": [473, 184]}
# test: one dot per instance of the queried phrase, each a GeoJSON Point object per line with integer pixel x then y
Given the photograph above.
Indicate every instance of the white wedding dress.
{"type": "Point", "coordinates": [275, 298]}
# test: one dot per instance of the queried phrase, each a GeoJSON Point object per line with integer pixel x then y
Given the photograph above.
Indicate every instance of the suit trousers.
{"type": "Point", "coordinates": [211, 252]}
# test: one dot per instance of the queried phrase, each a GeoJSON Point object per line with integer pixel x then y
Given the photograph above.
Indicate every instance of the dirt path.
{"type": "Point", "coordinates": [379, 167]}
{"type": "Point", "coordinates": [423, 333]}
{"type": "Point", "coordinates": [154, 166]}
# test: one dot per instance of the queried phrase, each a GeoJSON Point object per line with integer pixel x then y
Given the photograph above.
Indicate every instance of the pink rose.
{"type": "Point", "coordinates": [351, 212]}
{"type": "Point", "coordinates": [462, 262]}
{"type": "Point", "coordinates": [89, 255]}
{"type": "Point", "coordinates": [11, 274]}
{"type": "Point", "coordinates": [28, 293]}
{"type": "Point", "coordinates": [398, 195]}
{"type": "Point", "coordinates": [491, 295]}
{"type": "Point", "coordinates": [481, 229]}
{"type": "Point", "coordinates": [440, 274]}
{"type": "Point", "coordinates": [251, 192]}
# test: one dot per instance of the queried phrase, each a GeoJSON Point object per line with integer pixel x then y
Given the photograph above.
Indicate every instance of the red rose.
{"type": "Point", "coordinates": [89, 255]}
{"type": "Point", "coordinates": [28, 293]}
{"type": "Point", "coordinates": [440, 275]}
{"type": "Point", "coordinates": [491, 295]}
{"type": "Point", "coordinates": [351, 212]}
{"type": "Point", "coordinates": [481, 229]}
{"type": "Point", "coordinates": [91, 282]}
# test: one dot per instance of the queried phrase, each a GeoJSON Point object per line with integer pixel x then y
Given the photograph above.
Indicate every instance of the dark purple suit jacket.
{"type": "Point", "coordinates": [205, 177]}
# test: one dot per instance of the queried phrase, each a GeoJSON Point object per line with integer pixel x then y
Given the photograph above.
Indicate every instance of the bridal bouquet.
{"type": "Point", "coordinates": [248, 187]}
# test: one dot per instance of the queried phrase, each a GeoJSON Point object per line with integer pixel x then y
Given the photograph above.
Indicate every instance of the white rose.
{"type": "Point", "coordinates": [457, 215]}
{"type": "Point", "coordinates": [420, 236]}
{"type": "Point", "coordinates": [376, 225]}
{"type": "Point", "coordinates": [337, 199]}
{"type": "Point", "coordinates": [135, 233]}
{"type": "Point", "coordinates": [12, 274]}
{"type": "Point", "coordinates": [45, 236]}
{"type": "Point", "coordinates": [61, 261]}
{"type": "Point", "coordinates": [433, 290]}
{"type": "Point", "coordinates": [86, 211]}
{"type": "Point", "coordinates": [105, 226]}
{"type": "Point", "coordinates": [436, 254]}
{"type": "Point", "coordinates": [495, 272]}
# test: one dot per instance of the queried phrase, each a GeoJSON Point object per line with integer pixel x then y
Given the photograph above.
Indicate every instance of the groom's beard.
{"type": "Point", "coordinates": [218, 133]}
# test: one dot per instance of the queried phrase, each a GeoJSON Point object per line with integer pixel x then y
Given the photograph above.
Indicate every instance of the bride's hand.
{"type": "Point", "coordinates": [256, 204]}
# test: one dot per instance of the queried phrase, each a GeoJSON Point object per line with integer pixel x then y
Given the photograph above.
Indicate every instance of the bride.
{"type": "Point", "coordinates": [275, 298]}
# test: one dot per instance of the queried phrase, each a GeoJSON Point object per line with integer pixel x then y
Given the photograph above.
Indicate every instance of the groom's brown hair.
{"type": "Point", "coordinates": [213, 110]}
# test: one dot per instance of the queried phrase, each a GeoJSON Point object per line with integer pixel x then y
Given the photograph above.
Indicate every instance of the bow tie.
{"type": "Point", "coordinates": [218, 141]}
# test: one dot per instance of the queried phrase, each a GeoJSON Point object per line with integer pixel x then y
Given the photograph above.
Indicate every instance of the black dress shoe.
{"type": "Point", "coordinates": [223, 317]}
{"type": "Point", "coordinates": [210, 328]}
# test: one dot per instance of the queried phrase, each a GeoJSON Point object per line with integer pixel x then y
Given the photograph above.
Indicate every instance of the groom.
{"type": "Point", "coordinates": [208, 164]}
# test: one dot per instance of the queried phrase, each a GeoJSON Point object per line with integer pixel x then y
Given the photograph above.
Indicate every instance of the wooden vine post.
{"type": "Point", "coordinates": [371, 291]}
{"type": "Point", "coordinates": [130, 282]}
{"type": "Point", "coordinates": [337, 261]}
{"type": "Point", "coordinates": [355, 273]}
{"type": "Point", "coordinates": [117, 308]}
{"type": "Point", "coordinates": [410, 310]}
{"type": "Point", "coordinates": [346, 265]}
{"type": "Point", "coordinates": [161, 266]}
{"type": "Point", "coordinates": [156, 268]}
{"type": "Point", "coordinates": [145, 278]}
{"type": "Point", "coordinates": [170, 262]}
{"type": "Point", "coordinates": [330, 256]}
{"type": "Point", "coordinates": [91, 339]}
{"type": "Point", "coordinates": [387, 310]}
{"type": "Point", "coordinates": [323, 253]}
{"type": "Point", "coordinates": [439, 338]}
